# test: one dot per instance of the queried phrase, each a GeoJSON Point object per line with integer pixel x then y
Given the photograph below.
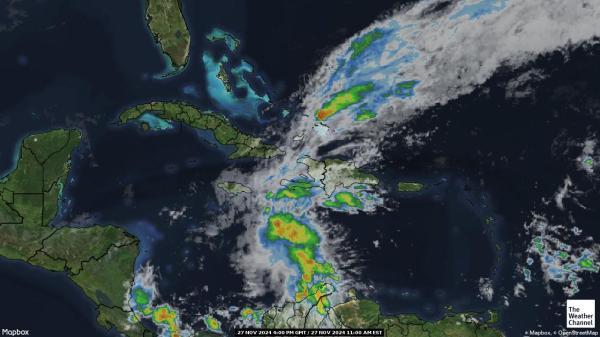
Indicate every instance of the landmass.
{"type": "Point", "coordinates": [365, 314]}
{"type": "Point", "coordinates": [224, 132]}
{"type": "Point", "coordinates": [333, 173]}
{"type": "Point", "coordinates": [234, 188]}
{"type": "Point", "coordinates": [220, 35]}
{"type": "Point", "coordinates": [409, 187]}
{"type": "Point", "coordinates": [224, 78]}
{"type": "Point", "coordinates": [167, 24]}
{"type": "Point", "coordinates": [99, 259]}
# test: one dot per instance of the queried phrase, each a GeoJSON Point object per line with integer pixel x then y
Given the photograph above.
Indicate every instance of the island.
{"type": "Point", "coordinates": [234, 188]}
{"type": "Point", "coordinates": [409, 187]}
{"type": "Point", "coordinates": [224, 78]}
{"type": "Point", "coordinates": [334, 173]}
{"type": "Point", "coordinates": [167, 24]}
{"type": "Point", "coordinates": [220, 35]}
{"type": "Point", "coordinates": [98, 259]}
{"type": "Point", "coordinates": [224, 132]}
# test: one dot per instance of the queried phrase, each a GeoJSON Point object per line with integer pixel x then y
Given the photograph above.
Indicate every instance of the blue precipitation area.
{"type": "Point", "coordinates": [404, 89]}
{"type": "Point", "coordinates": [247, 106]}
{"type": "Point", "coordinates": [366, 67]}
{"type": "Point", "coordinates": [480, 8]}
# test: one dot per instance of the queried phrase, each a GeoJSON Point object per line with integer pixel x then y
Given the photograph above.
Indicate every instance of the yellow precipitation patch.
{"type": "Point", "coordinates": [283, 226]}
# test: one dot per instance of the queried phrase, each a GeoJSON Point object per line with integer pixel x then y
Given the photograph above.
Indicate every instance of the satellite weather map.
{"type": "Point", "coordinates": [347, 168]}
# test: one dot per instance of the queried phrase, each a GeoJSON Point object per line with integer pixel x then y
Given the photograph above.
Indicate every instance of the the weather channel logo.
{"type": "Point", "coordinates": [581, 314]}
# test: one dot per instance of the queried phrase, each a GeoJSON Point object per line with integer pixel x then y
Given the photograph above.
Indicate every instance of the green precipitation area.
{"type": "Point", "coordinates": [344, 99]}
{"type": "Point", "coordinates": [224, 132]}
{"type": "Point", "coordinates": [302, 243]}
{"type": "Point", "coordinates": [99, 259]}
{"type": "Point", "coordinates": [293, 190]}
{"type": "Point", "coordinates": [361, 44]}
{"type": "Point", "coordinates": [365, 115]}
{"type": "Point", "coordinates": [344, 199]}
{"type": "Point", "coordinates": [167, 24]}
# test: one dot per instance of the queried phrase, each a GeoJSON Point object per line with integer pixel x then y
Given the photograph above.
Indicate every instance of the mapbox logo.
{"type": "Point", "coordinates": [15, 332]}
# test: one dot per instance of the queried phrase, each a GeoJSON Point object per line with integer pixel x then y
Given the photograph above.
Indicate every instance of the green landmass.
{"type": "Point", "coordinates": [167, 24]}
{"type": "Point", "coordinates": [61, 246]}
{"type": "Point", "coordinates": [333, 173]}
{"type": "Point", "coordinates": [102, 279]}
{"type": "Point", "coordinates": [99, 259]}
{"type": "Point", "coordinates": [494, 317]}
{"type": "Point", "coordinates": [117, 318]}
{"type": "Point", "coordinates": [405, 89]}
{"type": "Point", "coordinates": [366, 314]}
{"type": "Point", "coordinates": [224, 78]}
{"type": "Point", "coordinates": [409, 187]}
{"type": "Point", "coordinates": [220, 35]}
{"type": "Point", "coordinates": [225, 133]}
{"type": "Point", "coordinates": [232, 187]}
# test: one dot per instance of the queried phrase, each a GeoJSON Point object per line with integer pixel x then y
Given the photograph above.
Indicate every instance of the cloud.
{"type": "Point", "coordinates": [448, 52]}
